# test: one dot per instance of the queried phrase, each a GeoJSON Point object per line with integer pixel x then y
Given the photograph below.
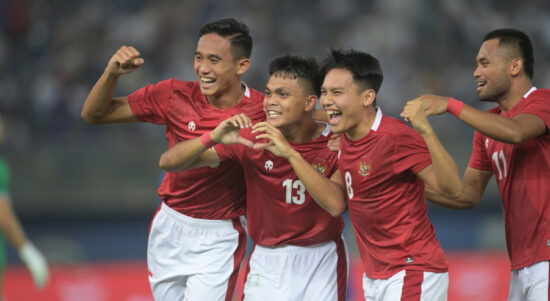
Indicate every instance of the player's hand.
{"type": "Point", "coordinates": [36, 263]}
{"type": "Point", "coordinates": [334, 143]}
{"type": "Point", "coordinates": [227, 132]}
{"type": "Point", "coordinates": [433, 104]}
{"type": "Point", "coordinates": [277, 143]}
{"type": "Point", "coordinates": [127, 59]}
{"type": "Point", "coordinates": [414, 112]}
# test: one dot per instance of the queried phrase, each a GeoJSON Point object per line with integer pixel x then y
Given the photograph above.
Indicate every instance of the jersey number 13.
{"type": "Point", "coordinates": [299, 198]}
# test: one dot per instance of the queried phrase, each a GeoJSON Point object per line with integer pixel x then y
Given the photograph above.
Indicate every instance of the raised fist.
{"type": "Point", "coordinates": [125, 60]}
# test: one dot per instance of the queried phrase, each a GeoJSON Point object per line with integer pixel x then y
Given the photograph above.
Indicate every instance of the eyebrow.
{"type": "Point", "coordinates": [277, 90]}
{"type": "Point", "coordinates": [210, 55]}
{"type": "Point", "coordinates": [331, 88]}
{"type": "Point", "coordinates": [281, 89]}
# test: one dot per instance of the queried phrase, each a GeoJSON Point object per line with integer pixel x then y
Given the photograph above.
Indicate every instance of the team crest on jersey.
{"type": "Point", "coordinates": [268, 165]}
{"type": "Point", "coordinates": [320, 164]}
{"type": "Point", "coordinates": [365, 167]}
{"type": "Point", "coordinates": [192, 126]}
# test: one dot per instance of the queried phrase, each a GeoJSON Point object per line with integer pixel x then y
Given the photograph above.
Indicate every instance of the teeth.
{"type": "Point", "coordinates": [273, 113]}
{"type": "Point", "coordinates": [332, 112]}
{"type": "Point", "coordinates": [207, 80]}
{"type": "Point", "coordinates": [479, 84]}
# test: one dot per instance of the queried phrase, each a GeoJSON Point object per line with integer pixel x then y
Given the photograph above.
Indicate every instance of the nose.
{"type": "Point", "coordinates": [325, 100]}
{"type": "Point", "coordinates": [477, 73]}
{"type": "Point", "coordinates": [269, 102]}
{"type": "Point", "coordinates": [202, 68]}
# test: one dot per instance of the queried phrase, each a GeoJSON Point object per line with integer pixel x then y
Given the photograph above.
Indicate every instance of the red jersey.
{"type": "Point", "coordinates": [279, 209]}
{"type": "Point", "coordinates": [522, 173]}
{"type": "Point", "coordinates": [187, 114]}
{"type": "Point", "coordinates": [386, 203]}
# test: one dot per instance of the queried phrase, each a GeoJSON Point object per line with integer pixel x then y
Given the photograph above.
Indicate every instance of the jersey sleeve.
{"type": "Point", "coordinates": [226, 152]}
{"type": "Point", "coordinates": [410, 152]}
{"type": "Point", "coordinates": [479, 159]}
{"type": "Point", "coordinates": [5, 178]}
{"type": "Point", "coordinates": [152, 102]}
{"type": "Point", "coordinates": [539, 105]}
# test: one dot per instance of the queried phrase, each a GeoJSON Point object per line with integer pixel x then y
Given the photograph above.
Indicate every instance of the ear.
{"type": "Point", "coordinates": [310, 103]}
{"type": "Point", "coordinates": [516, 66]}
{"type": "Point", "coordinates": [367, 97]}
{"type": "Point", "coordinates": [243, 65]}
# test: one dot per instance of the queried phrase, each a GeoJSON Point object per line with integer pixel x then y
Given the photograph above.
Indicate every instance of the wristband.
{"type": "Point", "coordinates": [36, 263]}
{"type": "Point", "coordinates": [454, 106]}
{"type": "Point", "coordinates": [207, 140]}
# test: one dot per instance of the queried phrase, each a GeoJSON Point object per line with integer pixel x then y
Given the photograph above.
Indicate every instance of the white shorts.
{"type": "Point", "coordinates": [530, 283]}
{"type": "Point", "coordinates": [194, 259]}
{"type": "Point", "coordinates": [289, 273]}
{"type": "Point", "coordinates": [407, 285]}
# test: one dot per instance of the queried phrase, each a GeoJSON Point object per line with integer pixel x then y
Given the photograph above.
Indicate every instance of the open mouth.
{"type": "Point", "coordinates": [333, 116]}
{"type": "Point", "coordinates": [207, 82]}
{"type": "Point", "coordinates": [480, 84]}
{"type": "Point", "coordinates": [272, 114]}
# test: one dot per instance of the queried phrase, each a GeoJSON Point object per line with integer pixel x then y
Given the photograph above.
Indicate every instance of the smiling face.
{"type": "Point", "coordinates": [492, 72]}
{"type": "Point", "coordinates": [341, 100]}
{"type": "Point", "coordinates": [287, 100]}
{"type": "Point", "coordinates": [216, 68]}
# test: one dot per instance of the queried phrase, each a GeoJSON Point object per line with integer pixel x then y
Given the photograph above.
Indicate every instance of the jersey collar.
{"type": "Point", "coordinates": [377, 119]}
{"type": "Point", "coordinates": [529, 92]}
{"type": "Point", "coordinates": [246, 90]}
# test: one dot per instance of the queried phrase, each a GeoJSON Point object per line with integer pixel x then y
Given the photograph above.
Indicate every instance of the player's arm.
{"type": "Point", "coordinates": [328, 193]}
{"type": "Point", "coordinates": [320, 115]}
{"type": "Point", "coordinates": [9, 224]}
{"type": "Point", "coordinates": [100, 107]}
{"type": "Point", "coordinates": [15, 235]}
{"type": "Point", "coordinates": [509, 130]}
{"type": "Point", "coordinates": [443, 174]}
{"type": "Point", "coordinates": [473, 185]}
{"type": "Point", "coordinates": [188, 154]}
{"type": "Point", "coordinates": [198, 152]}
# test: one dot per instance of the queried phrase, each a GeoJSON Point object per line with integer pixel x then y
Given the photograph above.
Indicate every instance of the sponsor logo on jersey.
{"type": "Point", "coordinates": [320, 164]}
{"type": "Point", "coordinates": [364, 168]}
{"type": "Point", "coordinates": [192, 126]}
{"type": "Point", "coordinates": [268, 165]}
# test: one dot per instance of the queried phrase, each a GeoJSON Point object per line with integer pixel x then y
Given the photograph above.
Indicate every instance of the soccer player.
{"type": "Point", "coordinates": [298, 250]}
{"type": "Point", "coordinates": [382, 169]}
{"type": "Point", "coordinates": [11, 228]}
{"type": "Point", "coordinates": [512, 142]}
{"type": "Point", "coordinates": [197, 240]}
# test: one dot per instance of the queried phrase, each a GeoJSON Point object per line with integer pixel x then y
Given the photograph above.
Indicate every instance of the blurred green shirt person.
{"type": "Point", "coordinates": [11, 229]}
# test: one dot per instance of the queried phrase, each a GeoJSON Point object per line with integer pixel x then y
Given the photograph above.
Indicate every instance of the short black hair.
{"type": "Point", "coordinates": [298, 67]}
{"type": "Point", "coordinates": [516, 40]}
{"type": "Point", "coordinates": [364, 67]}
{"type": "Point", "coordinates": [238, 33]}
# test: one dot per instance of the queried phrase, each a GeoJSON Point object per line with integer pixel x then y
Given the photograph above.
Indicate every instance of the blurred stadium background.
{"type": "Point", "coordinates": [86, 194]}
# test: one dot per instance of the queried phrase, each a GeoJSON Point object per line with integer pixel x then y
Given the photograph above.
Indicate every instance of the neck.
{"type": "Point", "coordinates": [304, 131]}
{"type": "Point", "coordinates": [515, 94]}
{"type": "Point", "coordinates": [228, 98]}
{"type": "Point", "coordinates": [364, 124]}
